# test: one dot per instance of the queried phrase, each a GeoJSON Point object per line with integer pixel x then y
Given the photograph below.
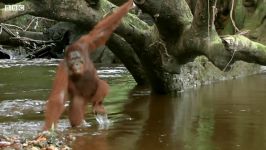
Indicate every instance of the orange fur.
{"type": "Point", "coordinates": [83, 86]}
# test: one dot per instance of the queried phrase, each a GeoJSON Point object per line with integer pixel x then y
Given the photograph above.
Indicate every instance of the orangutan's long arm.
{"type": "Point", "coordinates": [103, 30]}
{"type": "Point", "coordinates": [57, 98]}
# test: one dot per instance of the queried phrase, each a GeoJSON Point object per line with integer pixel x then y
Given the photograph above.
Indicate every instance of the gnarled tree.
{"type": "Point", "coordinates": [182, 30]}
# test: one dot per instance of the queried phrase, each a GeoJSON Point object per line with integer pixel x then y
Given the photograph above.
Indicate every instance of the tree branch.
{"type": "Point", "coordinates": [77, 11]}
{"type": "Point", "coordinates": [128, 57]}
{"type": "Point", "coordinates": [245, 49]}
{"type": "Point", "coordinates": [8, 39]}
{"type": "Point", "coordinates": [171, 16]}
{"type": "Point", "coordinates": [132, 29]}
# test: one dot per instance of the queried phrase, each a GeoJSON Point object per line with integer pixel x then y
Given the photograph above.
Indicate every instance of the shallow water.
{"type": "Point", "coordinates": [227, 115]}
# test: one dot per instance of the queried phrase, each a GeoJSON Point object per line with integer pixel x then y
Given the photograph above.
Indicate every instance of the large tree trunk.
{"type": "Point", "coordinates": [161, 54]}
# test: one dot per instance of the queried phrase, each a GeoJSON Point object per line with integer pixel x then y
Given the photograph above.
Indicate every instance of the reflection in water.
{"type": "Point", "coordinates": [227, 115]}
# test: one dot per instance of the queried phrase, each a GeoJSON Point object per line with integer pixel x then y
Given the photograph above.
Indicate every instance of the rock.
{"type": "Point", "coordinates": [201, 71]}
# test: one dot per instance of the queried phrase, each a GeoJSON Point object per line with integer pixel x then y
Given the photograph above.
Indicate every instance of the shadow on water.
{"type": "Point", "coordinates": [228, 115]}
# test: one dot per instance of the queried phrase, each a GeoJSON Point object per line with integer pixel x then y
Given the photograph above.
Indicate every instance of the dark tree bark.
{"type": "Point", "coordinates": [182, 30]}
{"type": "Point", "coordinates": [128, 57]}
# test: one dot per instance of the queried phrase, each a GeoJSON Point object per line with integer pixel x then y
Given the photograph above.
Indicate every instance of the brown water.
{"type": "Point", "coordinates": [228, 115]}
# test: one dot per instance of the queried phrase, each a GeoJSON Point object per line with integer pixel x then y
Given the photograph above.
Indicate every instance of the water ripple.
{"type": "Point", "coordinates": [19, 107]}
{"type": "Point", "coordinates": [7, 63]}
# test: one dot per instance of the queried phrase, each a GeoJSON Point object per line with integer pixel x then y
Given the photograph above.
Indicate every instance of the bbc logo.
{"type": "Point", "coordinates": [14, 7]}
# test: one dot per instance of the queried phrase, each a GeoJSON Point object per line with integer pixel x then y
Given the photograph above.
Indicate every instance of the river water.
{"type": "Point", "coordinates": [228, 115]}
